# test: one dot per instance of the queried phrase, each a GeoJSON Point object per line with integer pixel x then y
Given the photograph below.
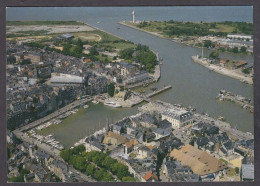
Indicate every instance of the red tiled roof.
{"type": "Point", "coordinates": [149, 175]}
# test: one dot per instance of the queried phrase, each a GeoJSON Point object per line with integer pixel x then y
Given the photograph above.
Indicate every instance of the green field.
{"type": "Point", "coordinates": [175, 28]}
{"type": "Point", "coordinates": [27, 33]}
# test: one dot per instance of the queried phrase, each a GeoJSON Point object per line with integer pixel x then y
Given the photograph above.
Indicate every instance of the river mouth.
{"type": "Point", "coordinates": [192, 84]}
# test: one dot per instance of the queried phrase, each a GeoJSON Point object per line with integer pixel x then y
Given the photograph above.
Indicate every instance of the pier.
{"type": "Point", "coordinates": [228, 96]}
{"type": "Point", "coordinates": [148, 96]}
{"type": "Point", "coordinates": [159, 91]}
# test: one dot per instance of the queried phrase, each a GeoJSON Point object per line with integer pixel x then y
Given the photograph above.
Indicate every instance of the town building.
{"type": "Point", "coordinates": [66, 79]}
{"type": "Point", "coordinates": [201, 163]}
{"type": "Point", "coordinates": [126, 68]}
{"type": "Point", "coordinates": [177, 117]}
{"type": "Point", "coordinates": [149, 177]}
{"type": "Point", "coordinates": [114, 139]}
{"type": "Point", "coordinates": [138, 77]}
{"type": "Point", "coordinates": [239, 36]}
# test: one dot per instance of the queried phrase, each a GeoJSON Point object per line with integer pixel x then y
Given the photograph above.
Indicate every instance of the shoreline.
{"type": "Point", "coordinates": [222, 70]}
{"type": "Point", "coordinates": [217, 69]}
{"type": "Point", "coordinates": [171, 39]}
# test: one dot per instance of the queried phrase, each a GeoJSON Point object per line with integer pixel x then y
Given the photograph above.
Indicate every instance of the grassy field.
{"type": "Point", "coordinates": [120, 46]}
{"type": "Point", "coordinates": [223, 28]}
{"type": "Point", "coordinates": [175, 28]}
{"type": "Point", "coordinates": [14, 23]}
{"type": "Point", "coordinates": [96, 38]}
{"type": "Point", "coordinates": [105, 36]}
{"type": "Point", "coordinates": [87, 36]}
{"type": "Point", "coordinates": [27, 33]}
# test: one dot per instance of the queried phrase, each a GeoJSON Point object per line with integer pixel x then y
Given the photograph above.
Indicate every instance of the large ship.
{"type": "Point", "coordinates": [112, 104]}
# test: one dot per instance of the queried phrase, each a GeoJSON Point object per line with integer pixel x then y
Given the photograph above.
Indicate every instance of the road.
{"type": "Point", "coordinates": [50, 150]}
{"type": "Point", "coordinates": [45, 147]}
{"type": "Point", "coordinates": [225, 127]}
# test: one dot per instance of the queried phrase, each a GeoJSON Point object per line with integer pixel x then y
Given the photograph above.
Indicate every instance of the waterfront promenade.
{"type": "Point", "coordinates": [222, 70]}
{"type": "Point", "coordinates": [55, 114]}
{"type": "Point", "coordinates": [19, 133]}
{"type": "Point", "coordinates": [160, 106]}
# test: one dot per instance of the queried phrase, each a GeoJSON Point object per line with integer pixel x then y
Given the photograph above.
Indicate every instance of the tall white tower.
{"type": "Point", "coordinates": [133, 14]}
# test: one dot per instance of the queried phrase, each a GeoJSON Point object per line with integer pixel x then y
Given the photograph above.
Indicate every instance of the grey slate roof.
{"type": "Point", "coordinates": [248, 172]}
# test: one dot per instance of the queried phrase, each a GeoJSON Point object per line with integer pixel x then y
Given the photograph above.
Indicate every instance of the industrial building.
{"type": "Point", "coordinates": [66, 79]}
{"type": "Point", "coordinates": [138, 77]}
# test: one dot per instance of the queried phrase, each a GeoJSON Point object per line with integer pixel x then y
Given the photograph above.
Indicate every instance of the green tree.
{"type": "Point", "coordinates": [108, 162]}
{"type": "Point", "coordinates": [66, 155]}
{"type": "Point", "coordinates": [78, 149]}
{"type": "Point", "coordinates": [243, 49]}
{"type": "Point", "coordinates": [90, 169]}
{"type": "Point", "coordinates": [213, 55]}
{"type": "Point", "coordinates": [222, 49]}
{"type": "Point", "coordinates": [126, 53]}
{"type": "Point", "coordinates": [79, 162]}
{"type": "Point", "coordinates": [80, 43]}
{"type": "Point", "coordinates": [66, 49]}
{"type": "Point", "coordinates": [111, 89]}
{"type": "Point", "coordinates": [99, 158]}
{"type": "Point", "coordinates": [120, 170]}
{"type": "Point", "coordinates": [93, 51]}
{"type": "Point", "coordinates": [99, 174]}
{"type": "Point", "coordinates": [246, 71]}
{"type": "Point", "coordinates": [235, 50]}
{"type": "Point", "coordinates": [207, 43]}
{"type": "Point", "coordinates": [115, 57]}
{"type": "Point", "coordinates": [107, 177]}
{"type": "Point", "coordinates": [213, 25]}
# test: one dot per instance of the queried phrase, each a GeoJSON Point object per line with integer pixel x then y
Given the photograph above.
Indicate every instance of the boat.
{"type": "Point", "coordinates": [145, 84]}
{"type": "Point", "coordinates": [95, 101]}
{"type": "Point", "coordinates": [85, 106]}
{"type": "Point", "coordinates": [112, 104]}
{"type": "Point", "coordinates": [221, 118]}
{"type": "Point", "coordinates": [153, 88]}
{"type": "Point", "coordinates": [118, 27]}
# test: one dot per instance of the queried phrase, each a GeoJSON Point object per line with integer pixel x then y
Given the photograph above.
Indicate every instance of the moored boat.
{"type": "Point", "coordinates": [112, 104]}
{"type": "Point", "coordinates": [95, 101]}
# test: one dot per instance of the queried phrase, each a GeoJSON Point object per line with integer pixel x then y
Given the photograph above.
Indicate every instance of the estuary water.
{"type": "Point", "coordinates": [192, 83]}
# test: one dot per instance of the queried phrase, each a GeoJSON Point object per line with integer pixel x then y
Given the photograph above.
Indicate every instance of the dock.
{"type": "Point", "coordinates": [228, 96]}
{"type": "Point", "coordinates": [158, 91]}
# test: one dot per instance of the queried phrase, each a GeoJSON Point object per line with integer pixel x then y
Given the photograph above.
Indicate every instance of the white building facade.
{"type": "Point", "coordinates": [178, 117]}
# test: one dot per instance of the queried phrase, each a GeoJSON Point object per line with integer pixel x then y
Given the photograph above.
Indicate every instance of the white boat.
{"type": "Point", "coordinates": [85, 106]}
{"type": "Point", "coordinates": [95, 102]}
{"type": "Point", "coordinates": [112, 104]}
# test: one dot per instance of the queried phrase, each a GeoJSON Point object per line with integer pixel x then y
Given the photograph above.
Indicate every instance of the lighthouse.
{"type": "Point", "coordinates": [133, 14]}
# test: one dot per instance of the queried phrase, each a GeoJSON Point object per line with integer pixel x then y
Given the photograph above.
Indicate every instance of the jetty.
{"type": "Point", "coordinates": [228, 96]}
{"type": "Point", "coordinates": [158, 91]}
